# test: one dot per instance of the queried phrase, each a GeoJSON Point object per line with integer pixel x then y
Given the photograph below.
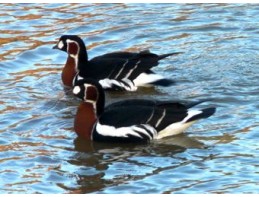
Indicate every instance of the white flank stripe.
{"type": "Point", "coordinates": [109, 83]}
{"type": "Point", "coordinates": [145, 79]}
{"type": "Point", "coordinates": [121, 69]}
{"type": "Point", "coordinates": [141, 130]}
{"type": "Point", "coordinates": [111, 131]}
{"type": "Point", "coordinates": [144, 131]}
{"type": "Point", "coordinates": [174, 129]}
{"type": "Point", "coordinates": [131, 87]}
{"type": "Point", "coordinates": [160, 119]}
{"type": "Point", "coordinates": [191, 113]}
{"type": "Point", "coordinates": [151, 116]}
{"type": "Point", "coordinates": [131, 70]}
{"type": "Point", "coordinates": [151, 129]}
{"type": "Point", "coordinates": [179, 127]}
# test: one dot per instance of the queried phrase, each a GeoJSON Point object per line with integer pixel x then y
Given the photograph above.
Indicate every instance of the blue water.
{"type": "Point", "coordinates": [39, 152]}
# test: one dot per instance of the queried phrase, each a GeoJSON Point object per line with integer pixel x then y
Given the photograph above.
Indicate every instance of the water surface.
{"type": "Point", "coordinates": [39, 151]}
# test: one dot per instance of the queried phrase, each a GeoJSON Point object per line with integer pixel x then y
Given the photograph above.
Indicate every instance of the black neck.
{"type": "Point", "coordinates": [82, 56]}
{"type": "Point", "coordinates": [100, 103]}
{"type": "Point", "coordinates": [99, 100]}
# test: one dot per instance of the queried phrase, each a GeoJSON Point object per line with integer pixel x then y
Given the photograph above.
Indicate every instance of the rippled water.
{"type": "Point", "coordinates": [39, 152]}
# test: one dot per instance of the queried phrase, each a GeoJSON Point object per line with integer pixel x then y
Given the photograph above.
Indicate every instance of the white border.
{"type": "Point", "coordinates": [132, 1]}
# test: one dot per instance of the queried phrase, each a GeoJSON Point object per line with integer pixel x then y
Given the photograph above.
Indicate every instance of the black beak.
{"type": "Point", "coordinates": [55, 47]}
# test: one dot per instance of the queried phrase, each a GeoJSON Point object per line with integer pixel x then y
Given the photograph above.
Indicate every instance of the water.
{"type": "Point", "coordinates": [39, 152]}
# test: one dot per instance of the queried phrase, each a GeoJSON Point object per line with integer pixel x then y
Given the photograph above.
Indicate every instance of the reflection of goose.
{"type": "Point", "coordinates": [118, 70]}
{"type": "Point", "coordinates": [177, 142]}
{"type": "Point", "coordinates": [135, 120]}
{"type": "Point", "coordinates": [97, 160]}
{"type": "Point", "coordinates": [181, 140]}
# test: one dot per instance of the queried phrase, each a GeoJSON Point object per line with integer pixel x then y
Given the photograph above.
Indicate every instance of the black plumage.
{"type": "Point", "coordinates": [116, 65]}
{"type": "Point", "coordinates": [135, 120]}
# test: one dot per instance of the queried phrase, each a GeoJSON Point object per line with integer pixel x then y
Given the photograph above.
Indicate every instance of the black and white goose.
{"type": "Point", "coordinates": [116, 71]}
{"type": "Point", "coordinates": [135, 120]}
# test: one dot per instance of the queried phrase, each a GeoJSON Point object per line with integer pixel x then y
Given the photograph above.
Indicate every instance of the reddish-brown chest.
{"type": "Point", "coordinates": [85, 120]}
{"type": "Point", "coordinates": [69, 72]}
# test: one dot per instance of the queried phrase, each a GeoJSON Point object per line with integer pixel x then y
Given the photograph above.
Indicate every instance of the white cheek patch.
{"type": "Point", "coordinates": [76, 89]}
{"type": "Point", "coordinates": [60, 44]}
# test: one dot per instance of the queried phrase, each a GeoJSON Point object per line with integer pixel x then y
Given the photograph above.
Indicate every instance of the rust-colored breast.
{"type": "Point", "coordinates": [85, 120]}
{"type": "Point", "coordinates": [69, 72]}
